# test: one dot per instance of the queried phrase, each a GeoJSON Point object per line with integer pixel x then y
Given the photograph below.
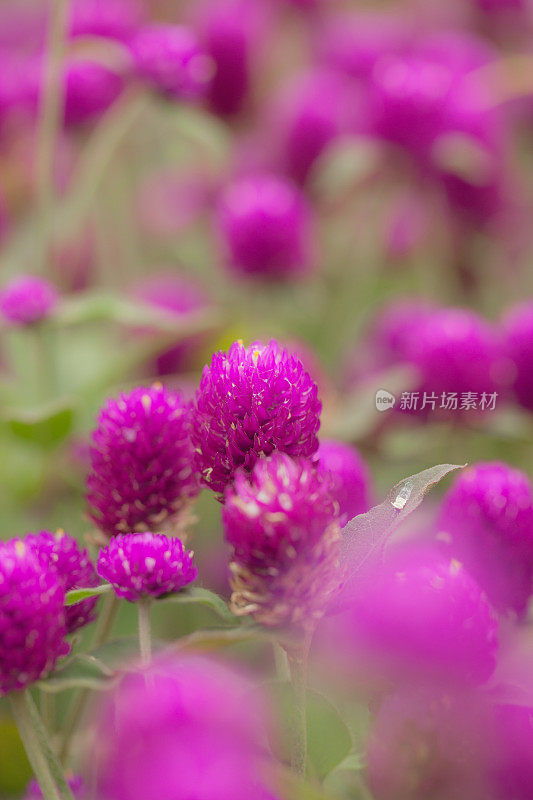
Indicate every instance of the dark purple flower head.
{"type": "Point", "coordinates": [422, 617]}
{"type": "Point", "coordinates": [33, 790]}
{"type": "Point", "coordinates": [518, 338]}
{"type": "Point", "coordinates": [27, 300]}
{"type": "Point", "coordinates": [349, 475]}
{"type": "Point", "coordinates": [32, 617]}
{"type": "Point", "coordinates": [281, 522]}
{"type": "Point", "coordinates": [486, 521]}
{"type": "Point", "coordinates": [147, 564]}
{"type": "Point", "coordinates": [90, 89]}
{"type": "Point", "coordinates": [193, 730]}
{"type": "Point", "coordinates": [250, 402]}
{"type": "Point", "coordinates": [171, 59]}
{"type": "Point", "coordinates": [266, 227]}
{"type": "Point", "coordinates": [62, 552]}
{"type": "Point", "coordinates": [141, 475]}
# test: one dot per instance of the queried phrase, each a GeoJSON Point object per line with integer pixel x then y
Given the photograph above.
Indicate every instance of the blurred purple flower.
{"type": "Point", "coordinates": [171, 59]}
{"type": "Point", "coordinates": [27, 300]}
{"type": "Point", "coordinates": [141, 476]}
{"type": "Point", "coordinates": [281, 522]}
{"type": "Point", "coordinates": [90, 89]}
{"type": "Point", "coordinates": [147, 564]}
{"type": "Point", "coordinates": [518, 343]}
{"type": "Point", "coordinates": [32, 617]}
{"type": "Point", "coordinates": [75, 570]}
{"type": "Point", "coordinates": [486, 521]}
{"type": "Point", "coordinates": [250, 402]}
{"type": "Point", "coordinates": [349, 475]}
{"type": "Point", "coordinates": [266, 228]}
{"type": "Point", "coordinates": [113, 19]}
{"type": "Point", "coordinates": [193, 730]}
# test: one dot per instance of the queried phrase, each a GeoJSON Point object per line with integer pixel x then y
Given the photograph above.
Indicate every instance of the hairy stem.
{"type": "Point", "coordinates": [38, 762]}
{"type": "Point", "coordinates": [44, 743]}
{"type": "Point", "coordinates": [297, 657]}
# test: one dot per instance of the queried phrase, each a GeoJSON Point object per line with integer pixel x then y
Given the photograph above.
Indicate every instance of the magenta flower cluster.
{"type": "Point", "coordinates": [62, 553]}
{"type": "Point", "coordinates": [200, 724]}
{"type": "Point", "coordinates": [251, 402]}
{"type": "Point", "coordinates": [32, 619]}
{"type": "Point", "coordinates": [141, 475]}
{"type": "Point", "coordinates": [281, 522]}
{"type": "Point", "coordinates": [142, 565]}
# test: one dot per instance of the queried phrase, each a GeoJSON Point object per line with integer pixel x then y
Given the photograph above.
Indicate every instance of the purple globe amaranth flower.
{"type": "Point", "coordinates": [141, 476]}
{"type": "Point", "coordinates": [486, 521]}
{"type": "Point", "coordinates": [421, 617]}
{"type": "Point", "coordinates": [430, 743]}
{"type": "Point", "coordinates": [187, 727]}
{"type": "Point", "coordinates": [266, 227]}
{"type": "Point", "coordinates": [171, 59]}
{"type": "Point", "coordinates": [231, 31]}
{"type": "Point", "coordinates": [90, 89]}
{"type": "Point", "coordinates": [518, 344]}
{"type": "Point", "coordinates": [511, 768]}
{"type": "Point", "coordinates": [350, 477]}
{"type": "Point", "coordinates": [77, 787]}
{"type": "Point", "coordinates": [27, 300]}
{"type": "Point", "coordinates": [75, 570]}
{"type": "Point", "coordinates": [282, 523]}
{"type": "Point", "coordinates": [178, 295]}
{"type": "Point", "coordinates": [250, 402]}
{"type": "Point", "coordinates": [140, 565]}
{"type": "Point", "coordinates": [32, 617]}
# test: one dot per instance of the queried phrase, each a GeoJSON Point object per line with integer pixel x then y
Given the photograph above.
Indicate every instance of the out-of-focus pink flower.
{"type": "Point", "coordinates": [518, 343]}
{"type": "Point", "coordinates": [179, 296]}
{"type": "Point", "coordinates": [511, 769]}
{"type": "Point", "coordinates": [194, 729]}
{"type": "Point", "coordinates": [232, 31]}
{"type": "Point", "coordinates": [113, 19]}
{"type": "Point", "coordinates": [350, 477]}
{"type": "Point", "coordinates": [418, 618]}
{"type": "Point", "coordinates": [90, 89]}
{"type": "Point", "coordinates": [486, 521]}
{"type": "Point", "coordinates": [171, 59]}
{"type": "Point", "coordinates": [266, 228]}
{"type": "Point", "coordinates": [431, 744]}
{"type": "Point", "coordinates": [27, 300]}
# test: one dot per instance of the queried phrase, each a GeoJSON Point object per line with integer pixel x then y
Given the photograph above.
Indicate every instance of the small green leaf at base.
{"type": "Point", "coordinates": [77, 595]}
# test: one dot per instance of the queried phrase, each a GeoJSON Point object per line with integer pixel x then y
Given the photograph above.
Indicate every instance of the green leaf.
{"type": "Point", "coordinates": [206, 598]}
{"type": "Point", "coordinates": [46, 426]}
{"type": "Point", "coordinates": [77, 595]}
{"type": "Point", "coordinates": [94, 670]}
{"type": "Point", "coordinates": [329, 740]}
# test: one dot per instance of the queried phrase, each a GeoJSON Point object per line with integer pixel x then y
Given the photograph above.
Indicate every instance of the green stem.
{"type": "Point", "coordinates": [38, 762]}
{"type": "Point", "coordinates": [297, 657]}
{"type": "Point", "coordinates": [44, 743]}
{"type": "Point", "coordinates": [52, 101]}
{"type": "Point", "coordinates": [145, 639]}
{"type": "Point", "coordinates": [106, 621]}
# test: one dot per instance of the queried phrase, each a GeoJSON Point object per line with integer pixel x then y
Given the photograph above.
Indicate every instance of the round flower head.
{"type": "Point", "coordinates": [32, 618]}
{"type": "Point", "coordinates": [281, 522]}
{"type": "Point", "coordinates": [250, 402]}
{"type": "Point", "coordinates": [147, 564]}
{"type": "Point", "coordinates": [90, 89]}
{"type": "Point", "coordinates": [27, 300]}
{"type": "Point", "coordinates": [350, 477]}
{"type": "Point", "coordinates": [518, 337]}
{"type": "Point", "coordinates": [422, 617]}
{"type": "Point", "coordinates": [75, 570]}
{"type": "Point", "coordinates": [33, 790]}
{"type": "Point", "coordinates": [430, 743]}
{"type": "Point", "coordinates": [193, 729]}
{"type": "Point", "coordinates": [141, 474]}
{"type": "Point", "coordinates": [171, 59]}
{"type": "Point", "coordinates": [266, 228]}
{"type": "Point", "coordinates": [486, 521]}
